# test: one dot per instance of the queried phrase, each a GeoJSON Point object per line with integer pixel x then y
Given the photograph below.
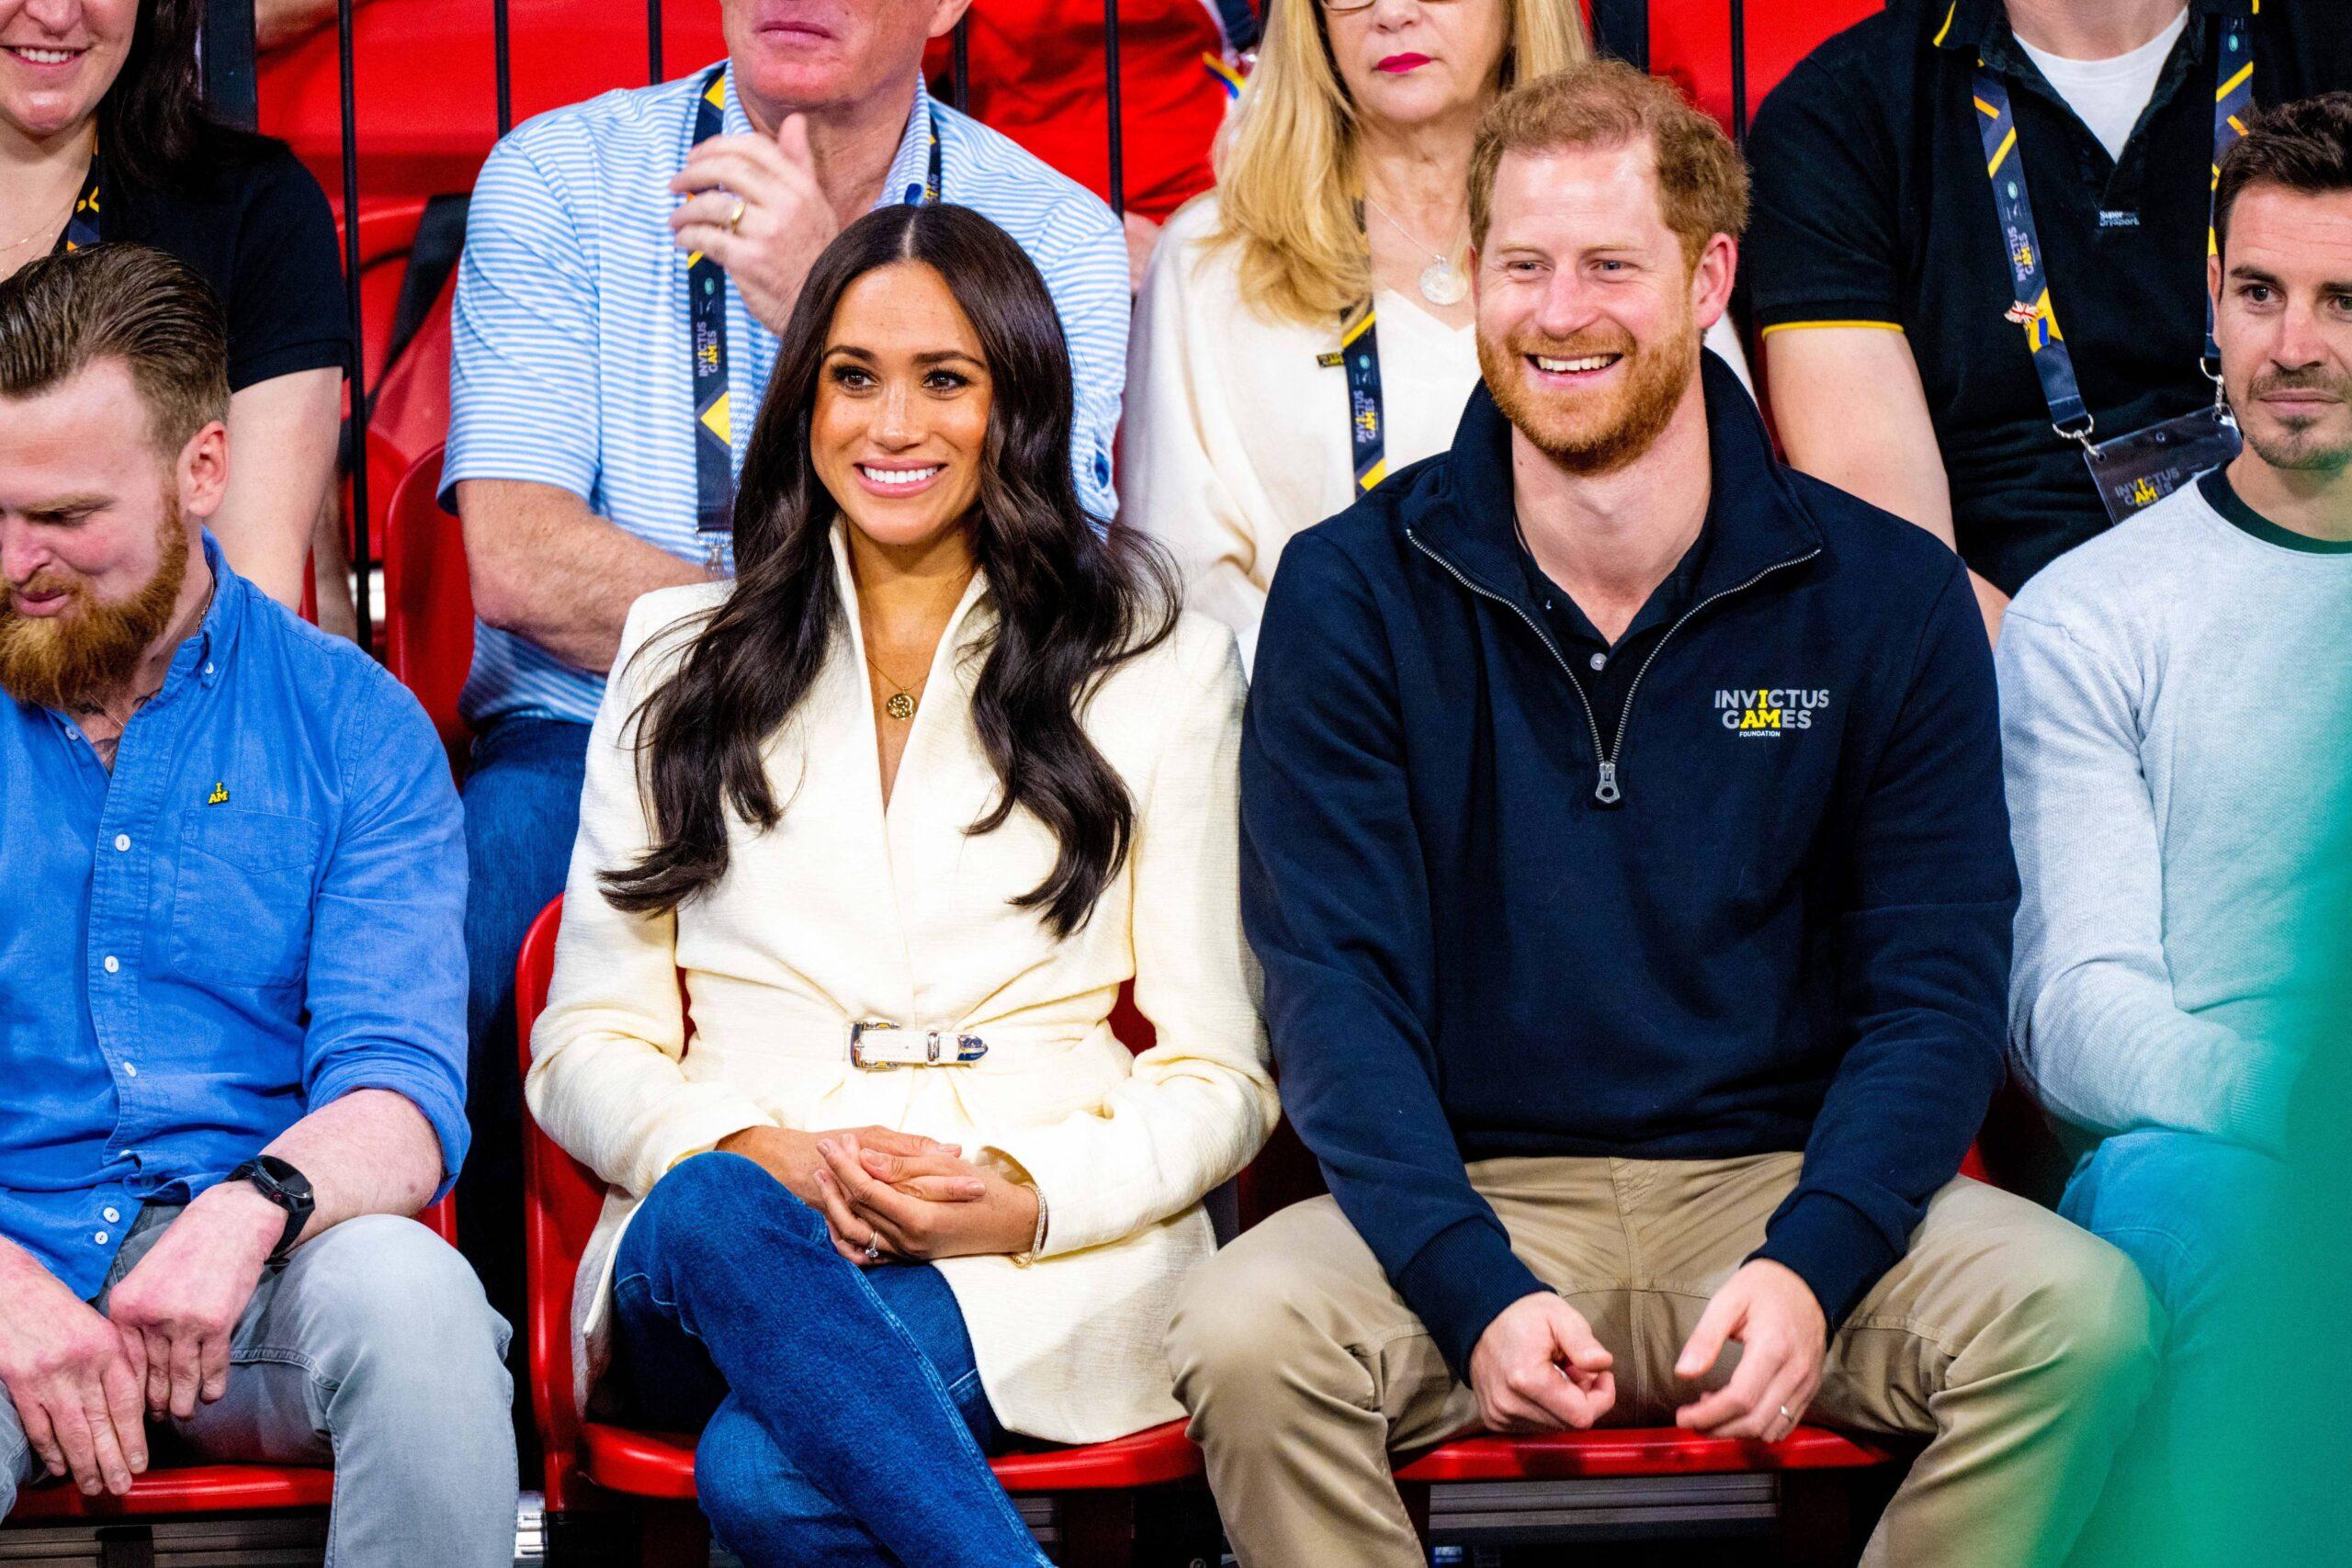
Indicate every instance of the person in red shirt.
{"type": "Point", "coordinates": [1035, 73]}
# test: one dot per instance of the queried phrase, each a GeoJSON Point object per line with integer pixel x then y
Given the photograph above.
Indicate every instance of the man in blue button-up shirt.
{"type": "Point", "coordinates": [232, 937]}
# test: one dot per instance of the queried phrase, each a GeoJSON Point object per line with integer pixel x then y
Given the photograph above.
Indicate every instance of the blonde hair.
{"type": "Point", "coordinates": [1287, 181]}
{"type": "Point", "coordinates": [1701, 179]}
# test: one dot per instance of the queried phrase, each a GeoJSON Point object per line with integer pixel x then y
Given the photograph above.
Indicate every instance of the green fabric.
{"type": "Point", "coordinates": [2223, 498]}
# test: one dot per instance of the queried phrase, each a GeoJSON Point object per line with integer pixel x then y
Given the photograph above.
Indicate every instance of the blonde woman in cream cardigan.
{"type": "Point", "coordinates": [899, 811]}
{"type": "Point", "coordinates": [1333, 188]}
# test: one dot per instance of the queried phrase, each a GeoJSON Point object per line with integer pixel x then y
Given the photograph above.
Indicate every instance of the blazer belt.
{"type": "Point", "coordinates": [875, 1045]}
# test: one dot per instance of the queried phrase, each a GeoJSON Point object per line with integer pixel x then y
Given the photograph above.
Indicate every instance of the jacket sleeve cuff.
{"type": "Point", "coordinates": [694, 1128]}
{"type": "Point", "coordinates": [1460, 1281]}
{"type": "Point", "coordinates": [1835, 1248]}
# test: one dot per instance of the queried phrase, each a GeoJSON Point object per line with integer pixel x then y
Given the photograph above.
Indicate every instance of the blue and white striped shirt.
{"type": "Point", "coordinates": [570, 329]}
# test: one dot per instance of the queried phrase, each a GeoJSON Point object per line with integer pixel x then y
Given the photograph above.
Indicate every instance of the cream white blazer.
{"type": "Point", "coordinates": [847, 911]}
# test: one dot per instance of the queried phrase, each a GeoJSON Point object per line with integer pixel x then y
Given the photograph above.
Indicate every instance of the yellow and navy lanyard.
{"type": "Point", "coordinates": [2005, 166]}
{"type": "Point", "coordinates": [706, 315]}
{"type": "Point", "coordinates": [1359, 354]}
{"type": "Point", "coordinates": [1237, 26]}
{"type": "Point", "coordinates": [82, 226]}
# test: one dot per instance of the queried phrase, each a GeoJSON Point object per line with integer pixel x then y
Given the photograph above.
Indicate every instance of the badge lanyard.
{"type": "Point", "coordinates": [2135, 470]}
{"type": "Point", "coordinates": [707, 349]}
{"type": "Point", "coordinates": [1237, 26]}
{"type": "Point", "coordinates": [1359, 353]}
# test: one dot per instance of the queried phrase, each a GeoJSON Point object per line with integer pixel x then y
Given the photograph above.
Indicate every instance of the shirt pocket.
{"type": "Point", "coordinates": [241, 900]}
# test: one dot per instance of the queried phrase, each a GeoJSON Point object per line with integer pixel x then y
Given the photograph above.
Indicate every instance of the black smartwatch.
{"type": "Point", "coordinates": [284, 1186]}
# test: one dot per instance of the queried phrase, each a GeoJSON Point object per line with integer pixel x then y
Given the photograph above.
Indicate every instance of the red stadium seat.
{"type": "Point", "coordinates": [1092, 1485]}
{"type": "Point", "coordinates": [428, 608]}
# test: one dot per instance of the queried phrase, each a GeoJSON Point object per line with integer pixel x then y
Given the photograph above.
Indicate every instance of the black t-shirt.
{"type": "Point", "coordinates": [1872, 206]}
{"type": "Point", "coordinates": [259, 230]}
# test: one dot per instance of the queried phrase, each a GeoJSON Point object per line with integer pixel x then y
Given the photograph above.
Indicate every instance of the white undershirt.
{"type": "Point", "coordinates": [2107, 95]}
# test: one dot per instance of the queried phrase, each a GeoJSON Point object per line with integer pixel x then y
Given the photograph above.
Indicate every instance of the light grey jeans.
{"type": "Point", "coordinates": [372, 1350]}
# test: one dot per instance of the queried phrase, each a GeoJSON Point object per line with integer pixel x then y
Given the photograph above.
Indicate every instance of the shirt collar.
{"type": "Point", "coordinates": [910, 166]}
{"type": "Point", "coordinates": [206, 653]}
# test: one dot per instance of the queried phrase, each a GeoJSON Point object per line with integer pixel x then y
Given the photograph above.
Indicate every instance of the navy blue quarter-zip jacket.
{"type": "Point", "coordinates": [1771, 913]}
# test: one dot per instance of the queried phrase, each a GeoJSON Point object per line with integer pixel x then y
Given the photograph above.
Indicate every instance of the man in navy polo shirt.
{"type": "Point", "coordinates": [231, 973]}
{"type": "Point", "coordinates": [1621, 816]}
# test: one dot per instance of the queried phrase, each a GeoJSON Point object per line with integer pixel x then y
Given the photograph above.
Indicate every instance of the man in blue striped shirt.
{"type": "Point", "coordinates": [231, 971]}
{"type": "Point", "coordinates": [592, 399]}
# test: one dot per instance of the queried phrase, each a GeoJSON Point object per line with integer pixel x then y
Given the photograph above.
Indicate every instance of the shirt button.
{"type": "Point", "coordinates": [114, 965]}
{"type": "Point", "coordinates": [208, 669]}
{"type": "Point", "coordinates": [1600, 660]}
{"type": "Point", "coordinates": [122, 840]}
{"type": "Point", "coordinates": [100, 1238]}
{"type": "Point", "coordinates": [110, 1215]}
{"type": "Point", "coordinates": [131, 1069]}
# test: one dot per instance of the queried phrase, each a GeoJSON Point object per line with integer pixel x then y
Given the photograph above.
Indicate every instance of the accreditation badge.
{"type": "Point", "coordinates": [2133, 472]}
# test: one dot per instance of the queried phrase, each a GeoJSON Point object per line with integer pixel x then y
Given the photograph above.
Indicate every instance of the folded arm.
{"type": "Point", "coordinates": [1200, 1102]}
{"type": "Point", "coordinates": [606, 1080]}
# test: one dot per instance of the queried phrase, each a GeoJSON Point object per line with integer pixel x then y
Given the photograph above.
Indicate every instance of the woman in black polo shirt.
{"type": "Point", "coordinates": [104, 136]}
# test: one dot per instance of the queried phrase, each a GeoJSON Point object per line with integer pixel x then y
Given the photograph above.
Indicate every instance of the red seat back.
{"type": "Point", "coordinates": [562, 1200]}
{"type": "Point", "coordinates": [428, 630]}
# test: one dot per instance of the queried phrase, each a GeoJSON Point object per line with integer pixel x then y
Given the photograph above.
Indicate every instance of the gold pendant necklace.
{"type": "Point", "coordinates": [900, 704]}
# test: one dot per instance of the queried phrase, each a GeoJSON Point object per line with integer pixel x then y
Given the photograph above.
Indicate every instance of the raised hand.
{"type": "Point", "coordinates": [754, 206]}
{"type": "Point", "coordinates": [1539, 1369]}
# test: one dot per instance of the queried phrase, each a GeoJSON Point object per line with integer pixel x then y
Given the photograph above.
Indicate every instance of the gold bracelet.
{"type": "Point", "coordinates": [1037, 1241]}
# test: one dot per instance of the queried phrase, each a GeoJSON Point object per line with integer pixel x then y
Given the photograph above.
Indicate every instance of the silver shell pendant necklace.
{"type": "Point", "coordinates": [1441, 281]}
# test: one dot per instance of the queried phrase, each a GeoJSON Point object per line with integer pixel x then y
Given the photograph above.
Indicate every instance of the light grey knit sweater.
{"type": "Point", "coordinates": [2177, 719]}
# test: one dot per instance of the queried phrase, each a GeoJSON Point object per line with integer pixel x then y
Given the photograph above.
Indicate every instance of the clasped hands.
{"type": "Point", "coordinates": [84, 1384]}
{"type": "Point", "coordinates": [1538, 1367]}
{"type": "Point", "coordinates": [890, 1197]}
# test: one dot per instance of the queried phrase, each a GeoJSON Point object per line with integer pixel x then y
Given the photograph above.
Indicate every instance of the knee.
{"type": "Point", "coordinates": [2095, 1319]}
{"type": "Point", "coordinates": [698, 1217]}
{"type": "Point", "coordinates": [1241, 1337]}
{"type": "Point", "coordinates": [399, 1314]}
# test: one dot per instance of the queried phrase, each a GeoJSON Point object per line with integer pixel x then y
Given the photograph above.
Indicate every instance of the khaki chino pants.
{"type": "Point", "coordinates": [2021, 1346]}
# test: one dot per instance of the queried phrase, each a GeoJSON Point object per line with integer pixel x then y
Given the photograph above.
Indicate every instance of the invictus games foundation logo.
{"type": "Point", "coordinates": [1769, 710]}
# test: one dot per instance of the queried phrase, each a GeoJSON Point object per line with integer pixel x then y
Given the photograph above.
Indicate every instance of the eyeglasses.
{"type": "Point", "coordinates": [1343, 7]}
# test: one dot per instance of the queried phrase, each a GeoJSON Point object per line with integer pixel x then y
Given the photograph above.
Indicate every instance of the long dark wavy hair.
{"type": "Point", "coordinates": [153, 127]}
{"type": "Point", "coordinates": [1073, 600]}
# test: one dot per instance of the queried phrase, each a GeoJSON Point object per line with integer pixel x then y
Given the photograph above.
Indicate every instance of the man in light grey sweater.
{"type": "Point", "coordinates": [2177, 718]}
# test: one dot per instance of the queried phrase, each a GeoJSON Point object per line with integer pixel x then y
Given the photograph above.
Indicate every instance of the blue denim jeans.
{"type": "Point", "coordinates": [522, 800]}
{"type": "Point", "coordinates": [2186, 1208]}
{"type": "Point", "coordinates": [372, 1350]}
{"type": "Point", "coordinates": [842, 1415]}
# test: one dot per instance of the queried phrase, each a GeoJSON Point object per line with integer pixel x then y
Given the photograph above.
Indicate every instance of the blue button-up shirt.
{"type": "Point", "coordinates": [261, 909]}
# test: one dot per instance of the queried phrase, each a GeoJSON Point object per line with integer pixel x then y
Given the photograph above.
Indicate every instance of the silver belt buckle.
{"type": "Point", "coordinates": [876, 1045]}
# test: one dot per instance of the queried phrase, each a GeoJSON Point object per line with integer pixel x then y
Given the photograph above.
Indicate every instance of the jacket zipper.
{"type": "Point", "coordinates": [1606, 791]}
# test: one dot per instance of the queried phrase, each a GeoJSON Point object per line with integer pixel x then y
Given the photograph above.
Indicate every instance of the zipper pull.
{"type": "Point", "coordinates": [1607, 791]}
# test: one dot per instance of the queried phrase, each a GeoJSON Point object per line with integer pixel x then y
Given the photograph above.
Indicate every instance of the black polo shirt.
{"type": "Point", "coordinates": [1872, 206]}
{"type": "Point", "coordinates": [1605, 672]}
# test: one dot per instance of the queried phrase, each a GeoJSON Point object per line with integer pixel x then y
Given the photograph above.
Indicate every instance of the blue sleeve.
{"type": "Point", "coordinates": [387, 986]}
{"type": "Point", "coordinates": [524, 388]}
{"type": "Point", "coordinates": [1082, 255]}
{"type": "Point", "coordinates": [1923, 943]}
{"type": "Point", "coordinates": [1335, 899]}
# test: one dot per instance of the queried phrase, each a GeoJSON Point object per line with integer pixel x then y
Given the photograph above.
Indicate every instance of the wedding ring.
{"type": "Point", "coordinates": [873, 1254]}
{"type": "Point", "coordinates": [1788, 1418]}
{"type": "Point", "coordinates": [736, 217]}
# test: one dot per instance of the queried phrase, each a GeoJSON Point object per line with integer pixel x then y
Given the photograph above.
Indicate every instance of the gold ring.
{"type": "Point", "coordinates": [736, 217]}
